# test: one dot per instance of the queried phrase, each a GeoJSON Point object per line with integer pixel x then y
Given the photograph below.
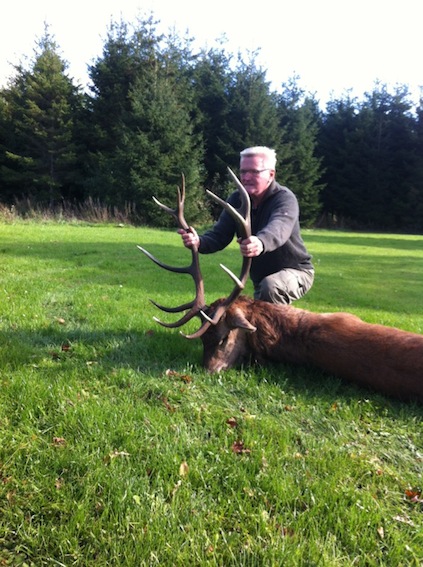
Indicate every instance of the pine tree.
{"type": "Point", "coordinates": [41, 104]}
{"type": "Point", "coordinates": [298, 164]}
{"type": "Point", "coordinates": [147, 141]}
{"type": "Point", "coordinates": [371, 157]}
{"type": "Point", "coordinates": [211, 77]}
{"type": "Point", "coordinates": [253, 119]}
{"type": "Point", "coordinates": [334, 146]}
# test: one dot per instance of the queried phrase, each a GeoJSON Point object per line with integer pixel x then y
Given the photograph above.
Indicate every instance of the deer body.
{"type": "Point", "coordinates": [381, 358]}
{"type": "Point", "coordinates": [236, 329]}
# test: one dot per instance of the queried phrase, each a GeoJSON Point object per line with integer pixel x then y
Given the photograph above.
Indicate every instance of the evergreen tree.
{"type": "Point", "coordinates": [334, 147]}
{"type": "Point", "coordinates": [253, 118]}
{"type": "Point", "coordinates": [147, 140]}
{"type": "Point", "coordinates": [211, 78]}
{"type": "Point", "coordinates": [299, 165]}
{"type": "Point", "coordinates": [250, 118]}
{"type": "Point", "coordinates": [39, 110]}
{"type": "Point", "coordinates": [371, 158]}
{"type": "Point", "coordinates": [416, 190]}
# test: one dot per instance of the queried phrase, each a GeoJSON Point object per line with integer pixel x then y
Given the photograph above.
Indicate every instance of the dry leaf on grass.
{"type": "Point", "coordinates": [114, 455]}
{"type": "Point", "coordinates": [184, 377]}
{"type": "Point", "coordinates": [239, 448]}
{"type": "Point", "coordinates": [183, 469]}
{"type": "Point", "coordinates": [232, 422]}
{"type": "Point", "coordinates": [414, 495]}
{"type": "Point", "coordinates": [167, 405]}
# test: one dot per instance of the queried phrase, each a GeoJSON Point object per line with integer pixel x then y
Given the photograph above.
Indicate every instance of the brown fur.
{"type": "Point", "coordinates": [381, 358]}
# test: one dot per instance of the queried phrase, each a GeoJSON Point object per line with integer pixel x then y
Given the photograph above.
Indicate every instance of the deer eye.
{"type": "Point", "coordinates": [223, 341]}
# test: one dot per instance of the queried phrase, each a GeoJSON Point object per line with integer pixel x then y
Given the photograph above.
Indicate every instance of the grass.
{"type": "Point", "coordinates": [117, 449]}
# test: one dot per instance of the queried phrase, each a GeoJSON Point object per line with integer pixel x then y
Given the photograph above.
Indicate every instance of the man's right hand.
{"type": "Point", "coordinates": [190, 237]}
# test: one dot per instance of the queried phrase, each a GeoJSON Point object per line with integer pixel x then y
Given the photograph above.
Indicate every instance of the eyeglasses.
{"type": "Point", "coordinates": [252, 171]}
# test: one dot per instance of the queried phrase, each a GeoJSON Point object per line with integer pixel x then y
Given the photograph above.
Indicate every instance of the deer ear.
{"type": "Point", "coordinates": [239, 320]}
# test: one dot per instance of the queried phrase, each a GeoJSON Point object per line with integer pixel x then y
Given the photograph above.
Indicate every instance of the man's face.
{"type": "Point", "coordinates": [255, 177]}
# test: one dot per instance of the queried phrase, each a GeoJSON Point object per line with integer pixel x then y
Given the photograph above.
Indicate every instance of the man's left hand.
{"type": "Point", "coordinates": [251, 247]}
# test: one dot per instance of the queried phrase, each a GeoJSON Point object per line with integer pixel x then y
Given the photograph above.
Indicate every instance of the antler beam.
{"type": "Point", "coordinates": [197, 307]}
{"type": "Point", "coordinates": [198, 303]}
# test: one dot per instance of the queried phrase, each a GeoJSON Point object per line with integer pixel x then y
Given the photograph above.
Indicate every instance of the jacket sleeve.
{"type": "Point", "coordinates": [280, 220]}
{"type": "Point", "coordinates": [220, 235]}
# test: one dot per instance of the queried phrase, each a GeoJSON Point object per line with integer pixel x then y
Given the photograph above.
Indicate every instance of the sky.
{"type": "Point", "coordinates": [333, 46]}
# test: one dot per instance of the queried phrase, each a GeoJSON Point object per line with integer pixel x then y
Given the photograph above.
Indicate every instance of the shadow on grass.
{"type": "Point", "coordinates": [148, 351]}
{"type": "Point", "coordinates": [318, 386]}
{"type": "Point", "coordinates": [151, 353]}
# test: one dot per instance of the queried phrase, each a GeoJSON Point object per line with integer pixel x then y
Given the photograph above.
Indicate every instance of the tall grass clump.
{"type": "Point", "coordinates": [117, 449]}
{"type": "Point", "coordinates": [90, 210]}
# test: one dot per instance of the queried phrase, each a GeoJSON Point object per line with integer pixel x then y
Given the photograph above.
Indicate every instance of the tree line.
{"type": "Point", "coordinates": [156, 108]}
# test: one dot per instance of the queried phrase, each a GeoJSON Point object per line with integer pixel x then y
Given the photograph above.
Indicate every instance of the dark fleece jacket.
{"type": "Point", "coordinates": [276, 223]}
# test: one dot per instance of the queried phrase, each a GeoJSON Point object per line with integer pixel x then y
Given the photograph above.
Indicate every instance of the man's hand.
{"type": "Point", "coordinates": [190, 237]}
{"type": "Point", "coordinates": [251, 247]}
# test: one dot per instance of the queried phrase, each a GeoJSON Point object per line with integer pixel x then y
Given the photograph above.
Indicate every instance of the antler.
{"type": "Point", "coordinates": [198, 303]}
{"type": "Point", "coordinates": [197, 306]}
{"type": "Point", "coordinates": [242, 216]}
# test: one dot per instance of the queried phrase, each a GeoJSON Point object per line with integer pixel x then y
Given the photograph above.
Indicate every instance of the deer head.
{"type": "Point", "coordinates": [220, 326]}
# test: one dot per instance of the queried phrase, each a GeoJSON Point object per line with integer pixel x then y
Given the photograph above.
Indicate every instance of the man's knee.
{"type": "Point", "coordinates": [273, 292]}
{"type": "Point", "coordinates": [284, 287]}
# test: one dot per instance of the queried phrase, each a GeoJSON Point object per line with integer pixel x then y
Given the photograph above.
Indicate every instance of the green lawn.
{"type": "Point", "coordinates": [117, 449]}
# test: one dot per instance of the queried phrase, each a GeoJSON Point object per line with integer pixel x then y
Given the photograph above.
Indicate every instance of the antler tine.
{"type": "Point", "coordinates": [242, 216]}
{"type": "Point", "coordinates": [178, 212]}
{"type": "Point", "coordinates": [193, 269]}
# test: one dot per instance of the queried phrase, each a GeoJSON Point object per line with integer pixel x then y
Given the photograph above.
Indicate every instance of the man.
{"type": "Point", "coordinates": [281, 268]}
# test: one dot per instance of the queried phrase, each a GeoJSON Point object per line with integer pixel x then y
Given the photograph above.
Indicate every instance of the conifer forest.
{"type": "Point", "coordinates": [155, 109]}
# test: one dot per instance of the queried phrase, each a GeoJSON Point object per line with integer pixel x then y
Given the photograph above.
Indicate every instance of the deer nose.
{"type": "Point", "coordinates": [216, 366]}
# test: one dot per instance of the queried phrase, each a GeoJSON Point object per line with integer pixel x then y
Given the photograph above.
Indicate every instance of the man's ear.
{"type": "Point", "coordinates": [238, 320]}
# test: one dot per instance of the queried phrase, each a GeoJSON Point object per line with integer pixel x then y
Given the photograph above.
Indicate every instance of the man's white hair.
{"type": "Point", "coordinates": [268, 155]}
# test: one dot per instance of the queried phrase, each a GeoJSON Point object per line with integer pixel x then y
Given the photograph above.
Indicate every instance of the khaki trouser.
{"type": "Point", "coordinates": [285, 286]}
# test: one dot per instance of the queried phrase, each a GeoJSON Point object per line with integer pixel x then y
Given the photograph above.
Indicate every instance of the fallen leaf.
{"type": "Point", "coordinates": [10, 496]}
{"type": "Point", "coordinates": [183, 469]}
{"type": "Point", "coordinates": [136, 499]}
{"type": "Point", "coordinates": [238, 447]}
{"type": "Point", "coordinates": [414, 495]}
{"type": "Point", "coordinates": [167, 405]}
{"type": "Point", "coordinates": [403, 520]}
{"type": "Point", "coordinates": [61, 321]}
{"type": "Point", "coordinates": [114, 455]}
{"type": "Point", "coordinates": [232, 422]}
{"type": "Point", "coordinates": [184, 377]}
{"type": "Point", "coordinates": [59, 441]}
{"type": "Point", "coordinates": [66, 347]}
{"type": "Point", "coordinates": [381, 532]}
{"type": "Point", "coordinates": [170, 372]}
